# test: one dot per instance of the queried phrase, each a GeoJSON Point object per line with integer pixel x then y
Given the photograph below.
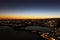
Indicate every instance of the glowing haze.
{"type": "Point", "coordinates": [30, 15]}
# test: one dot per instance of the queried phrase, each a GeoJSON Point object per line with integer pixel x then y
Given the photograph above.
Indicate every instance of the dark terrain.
{"type": "Point", "coordinates": [7, 28]}
{"type": "Point", "coordinates": [9, 33]}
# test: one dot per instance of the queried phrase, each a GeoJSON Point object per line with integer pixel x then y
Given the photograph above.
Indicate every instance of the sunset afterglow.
{"type": "Point", "coordinates": [26, 17]}
{"type": "Point", "coordinates": [30, 10]}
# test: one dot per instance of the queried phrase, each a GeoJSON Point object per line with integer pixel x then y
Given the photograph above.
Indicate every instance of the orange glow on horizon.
{"type": "Point", "coordinates": [26, 17]}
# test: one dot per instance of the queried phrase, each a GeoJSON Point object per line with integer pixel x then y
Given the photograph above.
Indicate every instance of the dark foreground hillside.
{"type": "Point", "coordinates": [9, 33]}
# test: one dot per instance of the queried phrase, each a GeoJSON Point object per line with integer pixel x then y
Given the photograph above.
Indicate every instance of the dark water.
{"type": "Point", "coordinates": [39, 28]}
{"type": "Point", "coordinates": [9, 33]}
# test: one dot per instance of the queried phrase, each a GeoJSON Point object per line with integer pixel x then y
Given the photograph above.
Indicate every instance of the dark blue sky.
{"type": "Point", "coordinates": [30, 7]}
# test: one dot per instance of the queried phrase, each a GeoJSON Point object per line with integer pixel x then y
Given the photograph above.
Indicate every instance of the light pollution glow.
{"type": "Point", "coordinates": [26, 17]}
{"type": "Point", "coordinates": [29, 14]}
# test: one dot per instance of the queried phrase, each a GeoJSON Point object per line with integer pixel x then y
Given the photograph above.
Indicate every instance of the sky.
{"type": "Point", "coordinates": [30, 8]}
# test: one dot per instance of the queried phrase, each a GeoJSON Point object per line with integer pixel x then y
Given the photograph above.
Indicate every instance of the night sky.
{"type": "Point", "coordinates": [30, 8]}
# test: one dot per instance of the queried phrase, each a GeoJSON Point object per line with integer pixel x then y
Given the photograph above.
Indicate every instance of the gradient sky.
{"type": "Point", "coordinates": [31, 8]}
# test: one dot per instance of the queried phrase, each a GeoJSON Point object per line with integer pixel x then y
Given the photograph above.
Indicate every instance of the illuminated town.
{"type": "Point", "coordinates": [50, 23]}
